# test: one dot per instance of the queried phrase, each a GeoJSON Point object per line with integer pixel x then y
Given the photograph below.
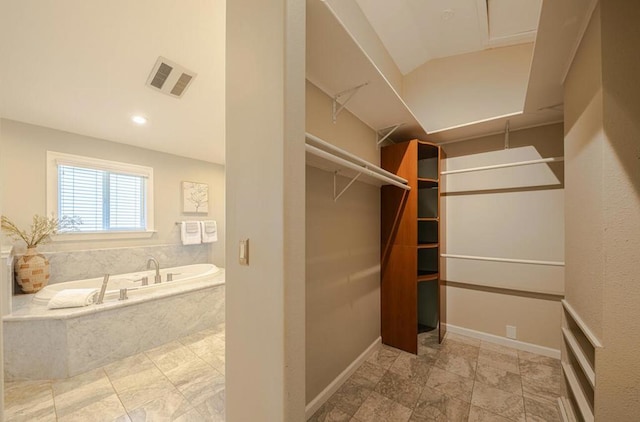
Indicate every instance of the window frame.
{"type": "Point", "coordinates": [54, 159]}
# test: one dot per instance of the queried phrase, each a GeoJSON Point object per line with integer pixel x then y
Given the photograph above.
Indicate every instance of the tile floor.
{"type": "Point", "coordinates": [181, 381]}
{"type": "Point", "coordinates": [462, 379]}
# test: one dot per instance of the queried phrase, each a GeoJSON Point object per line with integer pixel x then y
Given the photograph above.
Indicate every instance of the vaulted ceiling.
{"type": "Point", "coordinates": [82, 66]}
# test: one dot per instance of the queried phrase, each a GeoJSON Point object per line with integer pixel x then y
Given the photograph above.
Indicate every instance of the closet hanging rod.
{"type": "Point", "coordinates": [354, 158]}
{"type": "Point", "coordinates": [509, 260]}
{"type": "Point", "coordinates": [359, 168]}
{"type": "Point", "coordinates": [501, 166]}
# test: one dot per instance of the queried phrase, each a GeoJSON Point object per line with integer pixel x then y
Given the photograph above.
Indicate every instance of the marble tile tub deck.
{"type": "Point", "coordinates": [180, 381]}
{"type": "Point", "coordinates": [462, 379]}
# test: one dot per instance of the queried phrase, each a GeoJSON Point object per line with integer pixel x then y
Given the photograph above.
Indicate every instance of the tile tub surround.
{"type": "Point", "coordinates": [463, 379]}
{"type": "Point", "coordinates": [54, 344]}
{"type": "Point", "coordinates": [90, 263]}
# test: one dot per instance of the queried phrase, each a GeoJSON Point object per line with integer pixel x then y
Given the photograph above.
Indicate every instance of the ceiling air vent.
{"type": "Point", "coordinates": [170, 78]}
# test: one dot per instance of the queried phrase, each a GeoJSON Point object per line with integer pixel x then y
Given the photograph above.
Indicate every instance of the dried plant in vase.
{"type": "Point", "coordinates": [32, 268]}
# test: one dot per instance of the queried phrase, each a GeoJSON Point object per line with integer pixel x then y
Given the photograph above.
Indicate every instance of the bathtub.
{"type": "Point", "coordinates": [42, 343]}
{"type": "Point", "coordinates": [183, 277]}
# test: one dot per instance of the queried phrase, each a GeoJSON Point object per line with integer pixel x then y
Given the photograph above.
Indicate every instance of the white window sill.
{"type": "Point", "coordinates": [80, 236]}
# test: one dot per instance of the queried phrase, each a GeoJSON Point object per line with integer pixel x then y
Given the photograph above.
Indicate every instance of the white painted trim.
{"type": "Point", "coordinates": [106, 235]}
{"type": "Point", "coordinates": [503, 341]}
{"type": "Point", "coordinates": [510, 260]}
{"type": "Point", "coordinates": [576, 45]}
{"type": "Point", "coordinates": [595, 341]}
{"type": "Point", "coordinates": [324, 395]}
{"type": "Point", "coordinates": [498, 132]}
{"type": "Point", "coordinates": [489, 119]}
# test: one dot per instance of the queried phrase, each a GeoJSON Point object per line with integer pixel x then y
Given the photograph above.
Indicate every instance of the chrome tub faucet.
{"type": "Point", "coordinates": [158, 277]}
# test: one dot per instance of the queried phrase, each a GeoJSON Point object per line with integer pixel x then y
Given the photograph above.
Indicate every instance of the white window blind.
{"type": "Point", "coordinates": [104, 200]}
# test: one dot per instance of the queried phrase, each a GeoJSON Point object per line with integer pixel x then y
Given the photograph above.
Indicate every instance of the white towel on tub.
{"type": "Point", "coordinates": [209, 231]}
{"type": "Point", "coordinates": [72, 298]}
{"type": "Point", "coordinates": [190, 232]}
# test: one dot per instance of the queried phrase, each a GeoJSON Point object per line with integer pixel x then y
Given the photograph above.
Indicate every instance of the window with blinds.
{"type": "Point", "coordinates": [107, 196]}
{"type": "Point", "coordinates": [103, 200]}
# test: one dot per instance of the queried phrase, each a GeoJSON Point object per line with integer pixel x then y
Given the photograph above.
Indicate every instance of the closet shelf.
{"type": "Point", "coordinates": [325, 156]}
{"type": "Point", "coordinates": [580, 356]}
{"type": "Point", "coordinates": [337, 64]}
{"type": "Point", "coordinates": [427, 245]}
{"type": "Point", "coordinates": [427, 275]}
{"type": "Point", "coordinates": [578, 394]}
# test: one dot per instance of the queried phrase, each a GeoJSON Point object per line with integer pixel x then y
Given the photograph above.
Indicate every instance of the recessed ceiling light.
{"type": "Point", "coordinates": [139, 120]}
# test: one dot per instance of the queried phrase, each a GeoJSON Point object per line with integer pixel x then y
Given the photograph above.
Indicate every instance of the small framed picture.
{"type": "Point", "coordinates": [195, 197]}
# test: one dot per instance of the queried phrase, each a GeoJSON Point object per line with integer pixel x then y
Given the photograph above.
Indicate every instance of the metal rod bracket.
{"type": "Point", "coordinates": [337, 107]}
{"type": "Point", "coordinates": [336, 194]}
{"type": "Point", "coordinates": [384, 138]}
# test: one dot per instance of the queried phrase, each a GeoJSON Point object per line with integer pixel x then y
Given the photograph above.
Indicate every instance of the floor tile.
{"type": "Point", "coordinates": [533, 357]}
{"type": "Point", "coordinates": [510, 406]}
{"type": "Point", "coordinates": [384, 356]}
{"type": "Point", "coordinates": [540, 372]}
{"type": "Point", "coordinates": [82, 391]}
{"type": "Point", "coordinates": [212, 407]}
{"type": "Point", "coordinates": [499, 348]}
{"type": "Point", "coordinates": [461, 349]}
{"type": "Point", "coordinates": [499, 378]}
{"type": "Point", "coordinates": [478, 414]}
{"type": "Point", "coordinates": [398, 388]}
{"type": "Point", "coordinates": [165, 407]}
{"type": "Point", "coordinates": [378, 408]}
{"type": "Point", "coordinates": [29, 401]}
{"type": "Point", "coordinates": [457, 364]}
{"type": "Point", "coordinates": [541, 390]}
{"type": "Point", "coordinates": [499, 360]}
{"type": "Point", "coordinates": [541, 410]}
{"type": "Point", "coordinates": [462, 339]}
{"type": "Point", "coordinates": [434, 405]}
{"type": "Point", "coordinates": [197, 381]}
{"type": "Point", "coordinates": [412, 367]}
{"type": "Point", "coordinates": [349, 397]}
{"type": "Point", "coordinates": [171, 355]}
{"type": "Point", "coordinates": [108, 409]}
{"type": "Point", "coordinates": [329, 413]}
{"type": "Point", "coordinates": [451, 384]}
{"type": "Point", "coordinates": [191, 416]}
{"type": "Point", "coordinates": [368, 374]}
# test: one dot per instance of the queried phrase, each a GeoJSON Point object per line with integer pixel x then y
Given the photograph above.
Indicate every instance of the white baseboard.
{"type": "Point", "coordinates": [324, 395]}
{"type": "Point", "coordinates": [491, 338]}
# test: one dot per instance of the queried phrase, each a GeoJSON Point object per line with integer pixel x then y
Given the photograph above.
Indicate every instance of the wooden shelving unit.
{"type": "Point", "coordinates": [410, 243]}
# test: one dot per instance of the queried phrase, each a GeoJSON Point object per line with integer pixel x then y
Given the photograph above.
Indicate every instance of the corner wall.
{"type": "Point", "coordinates": [23, 163]}
{"type": "Point", "coordinates": [602, 102]}
{"type": "Point", "coordinates": [510, 213]}
{"type": "Point", "coordinates": [343, 252]}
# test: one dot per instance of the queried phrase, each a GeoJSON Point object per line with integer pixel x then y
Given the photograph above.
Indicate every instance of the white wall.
{"type": "Point", "coordinates": [512, 213]}
{"type": "Point", "coordinates": [265, 185]}
{"type": "Point", "coordinates": [343, 252]}
{"type": "Point", "coordinates": [23, 165]}
{"type": "Point", "coordinates": [461, 89]}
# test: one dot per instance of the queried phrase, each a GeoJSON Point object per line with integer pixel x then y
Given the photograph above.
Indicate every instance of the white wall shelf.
{"type": "Point", "coordinates": [325, 156]}
{"type": "Point", "coordinates": [336, 63]}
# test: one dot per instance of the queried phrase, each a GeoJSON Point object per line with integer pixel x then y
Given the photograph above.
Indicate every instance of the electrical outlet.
{"type": "Point", "coordinates": [511, 331]}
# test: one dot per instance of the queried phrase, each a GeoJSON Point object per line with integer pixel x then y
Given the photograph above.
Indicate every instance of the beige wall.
{"type": "Point", "coordinates": [265, 181]}
{"type": "Point", "coordinates": [467, 88]}
{"type": "Point", "coordinates": [602, 98]}
{"type": "Point", "coordinates": [514, 213]}
{"type": "Point", "coordinates": [584, 137]}
{"type": "Point", "coordinates": [361, 30]}
{"type": "Point", "coordinates": [343, 252]}
{"type": "Point", "coordinates": [23, 166]}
